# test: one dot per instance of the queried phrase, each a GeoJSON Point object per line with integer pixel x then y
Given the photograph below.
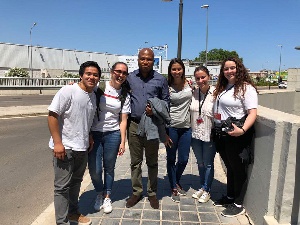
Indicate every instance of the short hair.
{"type": "Point", "coordinates": [172, 62]}
{"type": "Point", "coordinates": [89, 64]}
{"type": "Point", "coordinates": [146, 50]}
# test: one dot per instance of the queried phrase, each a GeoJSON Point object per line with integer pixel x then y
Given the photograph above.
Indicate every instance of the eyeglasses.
{"type": "Point", "coordinates": [231, 68]}
{"type": "Point", "coordinates": [119, 72]}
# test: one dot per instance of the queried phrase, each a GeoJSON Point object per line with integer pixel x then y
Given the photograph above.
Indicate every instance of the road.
{"type": "Point", "coordinates": [25, 100]}
{"type": "Point", "coordinates": [26, 174]}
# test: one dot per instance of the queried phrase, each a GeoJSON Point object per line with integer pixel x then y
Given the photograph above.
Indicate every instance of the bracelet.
{"type": "Point", "coordinates": [243, 130]}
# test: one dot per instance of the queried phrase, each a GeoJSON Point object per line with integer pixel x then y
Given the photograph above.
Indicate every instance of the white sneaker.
{"type": "Point", "coordinates": [204, 197]}
{"type": "Point", "coordinates": [98, 202]}
{"type": "Point", "coordinates": [107, 207]}
{"type": "Point", "coordinates": [198, 194]}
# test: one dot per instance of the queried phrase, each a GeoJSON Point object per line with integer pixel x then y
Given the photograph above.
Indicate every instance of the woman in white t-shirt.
{"type": "Point", "coordinates": [202, 122]}
{"type": "Point", "coordinates": [109, 134]}
{"type": "Point", "coordinates": [235, 96]}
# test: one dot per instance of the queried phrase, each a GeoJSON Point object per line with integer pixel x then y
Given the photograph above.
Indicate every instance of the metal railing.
{"type": "Point", "coordinates": [26, 82]}
{"type": "Point", "coordinates": [35, 82]}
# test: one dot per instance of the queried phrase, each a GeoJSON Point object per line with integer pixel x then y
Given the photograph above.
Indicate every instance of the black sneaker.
{"type": "Point", "coordinates": [233, 211]}
{"type": "Point", "coordinates": [224, 201]}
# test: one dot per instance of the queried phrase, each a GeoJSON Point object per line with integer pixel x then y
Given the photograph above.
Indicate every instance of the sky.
{"type": "Point", "coordinates": [252, 28]}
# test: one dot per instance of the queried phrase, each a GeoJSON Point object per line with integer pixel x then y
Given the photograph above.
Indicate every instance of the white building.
{"type": "Point", "coordinates": [52, 62]}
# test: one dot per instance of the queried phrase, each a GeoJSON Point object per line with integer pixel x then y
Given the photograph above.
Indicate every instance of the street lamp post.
{"type": "Point", "coordinates": [280, 60]}
{"type": "Point", "coordinates": [34, 24]}
{"type": "Point", "coordinates": [206, 7]}
{"type": "Point", "coordinates": [179, 47]}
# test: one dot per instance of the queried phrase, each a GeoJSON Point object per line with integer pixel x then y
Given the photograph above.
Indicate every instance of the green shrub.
{"type": "Point", "coordinates": [17, 72]}
{"type": "Point", "coordinates": [65, 74]}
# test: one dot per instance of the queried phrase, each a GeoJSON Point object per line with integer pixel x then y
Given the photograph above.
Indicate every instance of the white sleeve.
{"type": "Point", "coordinates": [61, 100]}
{"type": "Point", "coordinates": [251, 99]}
{"type": "Point", "coordinates": [126, 107]}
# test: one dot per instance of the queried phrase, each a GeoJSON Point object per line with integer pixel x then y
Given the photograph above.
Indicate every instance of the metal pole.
{"type": "Point", "coordinates": [206, 7]}
{"type": "Point", "coordinates": [30, 64]}
{"type": "Point", "coordinates": [206, 36]}
{"type": "Point", "coordinates": [180, 30]}
{"type": "Point", "coordinates": [280, 60]}
{"type": "Point", "coordinates": [31, 70]}
{"type": "Point", "coordinates": [166, 49]}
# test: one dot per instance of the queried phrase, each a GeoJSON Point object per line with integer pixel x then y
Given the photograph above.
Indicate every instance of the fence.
{"type": "Point", "coordinates": [25, 82]}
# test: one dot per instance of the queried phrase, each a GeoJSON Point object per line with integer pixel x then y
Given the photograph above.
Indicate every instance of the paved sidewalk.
{"type": "Point", "coordinates": [188, 211]}
{"type": "Point", "coordinates": [15, 111]}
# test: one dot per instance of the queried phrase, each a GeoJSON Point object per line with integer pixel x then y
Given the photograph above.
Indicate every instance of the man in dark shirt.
{"type": "Point", "coordinates": [144, 83]}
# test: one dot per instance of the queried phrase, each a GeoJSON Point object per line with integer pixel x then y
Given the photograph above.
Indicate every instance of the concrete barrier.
{"type": "Point", "coordinates": [273, 192]}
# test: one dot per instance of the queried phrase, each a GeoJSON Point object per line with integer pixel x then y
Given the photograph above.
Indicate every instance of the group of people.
{"type": "Point", "coordinates": [89, 126]}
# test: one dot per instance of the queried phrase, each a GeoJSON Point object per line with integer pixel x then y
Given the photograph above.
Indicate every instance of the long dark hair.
{"type": "Point", "coordinates": [241, 78]}
{"type": "Point", "coordinates": [170, 77]}
{"type": "Point", "coordinates": [125, 84]}
{"type": "Point", "coordinates": [117, 63]}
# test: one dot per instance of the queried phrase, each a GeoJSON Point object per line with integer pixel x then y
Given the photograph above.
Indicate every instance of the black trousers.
{"type": "Point", "coordinates": [230, 149]}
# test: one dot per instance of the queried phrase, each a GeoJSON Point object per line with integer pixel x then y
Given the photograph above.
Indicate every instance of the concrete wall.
{"type": "Point", "coordinates": [288, 102]}
{"type": "Point", "coordinates": [272, 196]}
{"type": "Point", "coordinates": [293, 79]}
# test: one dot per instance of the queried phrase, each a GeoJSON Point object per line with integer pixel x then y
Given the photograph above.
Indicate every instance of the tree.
{"type": "Point", "coordinates": [217, 55]}
{"type": "Point", "coordinates": [17, 72]}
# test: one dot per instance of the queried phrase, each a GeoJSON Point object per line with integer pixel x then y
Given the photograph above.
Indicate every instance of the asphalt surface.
{"type": "Point", "coordinates": [25, 100]}
{"type": "Point", "coordinates": [26, 173]}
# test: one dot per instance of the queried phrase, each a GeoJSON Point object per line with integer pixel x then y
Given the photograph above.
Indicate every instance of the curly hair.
{"type": "Point", "coordinates": [241, 78]}
{"type": "Point", "coordinates": [170, 77]}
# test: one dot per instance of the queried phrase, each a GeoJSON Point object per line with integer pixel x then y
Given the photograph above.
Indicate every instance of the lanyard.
{"type": "Point", "coordinates": [200, 105]}
{"type": "Point", "coordinates": [218, 101]}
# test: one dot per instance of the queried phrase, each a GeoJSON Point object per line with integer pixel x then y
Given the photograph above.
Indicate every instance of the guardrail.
{"type": "Point", "coordinates": [13, 82]}
{"type": "Point", "coordinates": [35, 83]}
{"type": "Point", "coordinates": [24, 82]}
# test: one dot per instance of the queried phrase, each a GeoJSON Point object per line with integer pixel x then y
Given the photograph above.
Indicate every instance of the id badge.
{"type": "Point", "coordinates": [217, 116]}
{"type": "Point", "coordinates": [199, 120]}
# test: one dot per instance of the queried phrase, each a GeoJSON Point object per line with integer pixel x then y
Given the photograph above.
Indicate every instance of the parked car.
{"type": "Point", "coordinates": [282, 84]}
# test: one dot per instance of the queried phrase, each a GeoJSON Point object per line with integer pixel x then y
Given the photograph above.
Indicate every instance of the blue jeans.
{"type": "Point", "coordinates": [205, 153]}
{"type": "Point", "coordinates": [181, 138]}
{"type": "Point", "coordinates": [104, 155]}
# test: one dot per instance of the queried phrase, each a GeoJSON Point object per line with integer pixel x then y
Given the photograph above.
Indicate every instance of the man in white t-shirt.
{"type": "Point", "coordinates": [70, 118]}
